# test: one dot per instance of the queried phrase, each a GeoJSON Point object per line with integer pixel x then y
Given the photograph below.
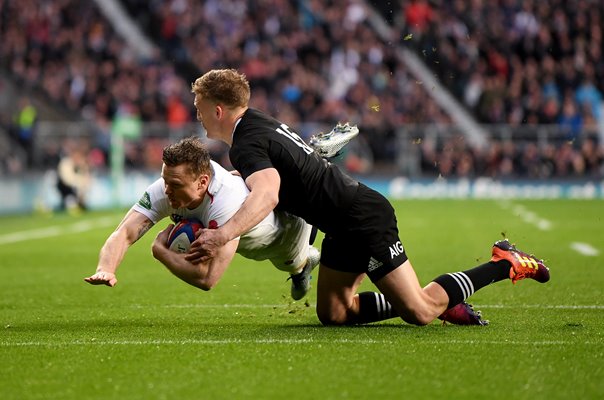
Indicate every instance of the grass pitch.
{"type": "Point", "coordinates": [155, 337]}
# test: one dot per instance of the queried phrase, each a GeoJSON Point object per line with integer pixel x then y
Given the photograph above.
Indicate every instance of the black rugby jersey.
{"type": "Point", "coordinates": [311, 187]}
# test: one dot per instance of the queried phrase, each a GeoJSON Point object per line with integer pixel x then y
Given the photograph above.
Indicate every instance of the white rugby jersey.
{"type": "Point", "coordinates": [223, 199]}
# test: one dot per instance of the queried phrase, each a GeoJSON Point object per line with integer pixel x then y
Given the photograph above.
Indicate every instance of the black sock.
{"type": "Point", "coordinates": [461, 285]}
{"type": "Point", "coordinates": [313, 235]}
{"type": "Point", "coordinates": [374, 307]}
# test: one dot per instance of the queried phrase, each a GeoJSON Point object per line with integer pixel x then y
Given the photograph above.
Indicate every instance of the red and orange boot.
{"type": "Point", "coordinates": [463, 314]}
{"type": "Point", "coordinates": [524, 265]}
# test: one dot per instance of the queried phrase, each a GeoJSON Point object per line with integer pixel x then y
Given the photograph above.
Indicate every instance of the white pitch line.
{"type": "Point", "coordinates": [151, 342]}
{"type": "Point", "coordinates": [548, 306]}
{"type": "Point", "coordinates": [53, 231]}
{"type": "Point", "coordinates": [532, 218]}
{"type": "Point", "coordinates": [526, 215]}
{"type": "Point", "coordinates": [584, 249]}
{"type": "Point", "coordinates": [498, 306]}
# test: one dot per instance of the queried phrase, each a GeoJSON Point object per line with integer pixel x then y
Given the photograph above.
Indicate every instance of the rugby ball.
{"type": "Point", "coordinates": [183, 234]}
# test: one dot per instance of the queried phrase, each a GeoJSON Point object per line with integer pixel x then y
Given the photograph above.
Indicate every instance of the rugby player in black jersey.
{"type": "Point", "coordinates": [361, 235]}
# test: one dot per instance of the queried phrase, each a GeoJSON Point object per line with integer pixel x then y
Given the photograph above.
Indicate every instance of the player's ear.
{"type": "Point", "coordinates": [219, 111]}
{"type": "Point", "coordinates": [203, 182]}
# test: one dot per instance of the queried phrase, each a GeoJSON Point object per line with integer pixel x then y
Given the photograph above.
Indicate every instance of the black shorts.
{"type": "Point", "coordinates": [369, 243]}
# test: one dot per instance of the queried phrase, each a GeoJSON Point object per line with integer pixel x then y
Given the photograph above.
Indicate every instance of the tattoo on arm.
{"type": "Point", "coordinates": [144, 228]}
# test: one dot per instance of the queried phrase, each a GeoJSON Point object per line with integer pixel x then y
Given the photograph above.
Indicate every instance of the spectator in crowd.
{"type": "Point", "coordinates": [570, 120]}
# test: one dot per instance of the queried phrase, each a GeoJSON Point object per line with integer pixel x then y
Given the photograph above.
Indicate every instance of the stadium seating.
{"type": "Point", "coordinates": [518, 63]}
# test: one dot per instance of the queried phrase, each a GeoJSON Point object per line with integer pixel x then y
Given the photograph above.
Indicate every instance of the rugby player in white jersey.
{"type": "Point", "coordinates": [193, 186]}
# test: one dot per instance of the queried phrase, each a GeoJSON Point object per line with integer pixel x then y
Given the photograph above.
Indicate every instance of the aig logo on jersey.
{"type": "Point", "coordinates": [396, 249]}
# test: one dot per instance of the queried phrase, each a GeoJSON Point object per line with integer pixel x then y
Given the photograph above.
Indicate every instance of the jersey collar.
{"type": "Point", "coordinates": [239, 118]}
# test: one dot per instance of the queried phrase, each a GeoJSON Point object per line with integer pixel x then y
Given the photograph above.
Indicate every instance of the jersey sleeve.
{"type": "Point", "coordinates": [225, 195]}
{"type": "Point", "coordinates": [153, 203]}
{"type": "Point", "coordinates": [256, 156]}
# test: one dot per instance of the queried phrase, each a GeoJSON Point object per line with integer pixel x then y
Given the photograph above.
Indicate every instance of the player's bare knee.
{"type": "Point", "coordinates": [331, 316]}
{"type": "Point", "coordinates": [422, 320]}
{"type": "Point", "coordinates": [417, 316]}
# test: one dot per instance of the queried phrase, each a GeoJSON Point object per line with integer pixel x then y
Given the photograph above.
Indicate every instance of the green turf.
{"type": "Point", "coordinates": [154, 337]}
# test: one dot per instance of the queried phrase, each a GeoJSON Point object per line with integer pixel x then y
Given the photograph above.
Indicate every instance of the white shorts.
{"type": "Point", "coordinates": [285, 242]}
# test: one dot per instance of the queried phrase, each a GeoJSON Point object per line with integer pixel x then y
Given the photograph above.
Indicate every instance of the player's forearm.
{"type": "Point", "coordinates": [255, 208]}
{"type": "Point", "coordinates": [132, 227]}
{"type": "Point", "coordinates": [194, 274]}
{"type": "Point", "coordinates": [112, 253]}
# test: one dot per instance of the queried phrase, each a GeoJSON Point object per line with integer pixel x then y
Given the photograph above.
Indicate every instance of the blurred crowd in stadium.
{"type": "Point", "coordinates": [519, 63]}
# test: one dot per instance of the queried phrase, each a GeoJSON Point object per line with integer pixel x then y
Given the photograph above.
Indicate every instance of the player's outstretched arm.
{"type": "Point", "coordinates": [133, 226]}
{"type": "Point", "coordinates": [203, 275]}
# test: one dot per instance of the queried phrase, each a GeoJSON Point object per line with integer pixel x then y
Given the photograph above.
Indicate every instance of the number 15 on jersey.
{"type": "Point", "coordinates": [285, 131]}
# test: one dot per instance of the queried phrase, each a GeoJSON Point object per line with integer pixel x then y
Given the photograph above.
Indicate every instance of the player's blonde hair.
{"type": "Point", "coordinates": [190, 151]}
{"type": "Point", "coordinates": [223, 86]}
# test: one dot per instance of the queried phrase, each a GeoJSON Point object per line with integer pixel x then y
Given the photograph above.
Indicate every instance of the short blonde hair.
{"type": "Point", "coordinates": [223, 86]}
